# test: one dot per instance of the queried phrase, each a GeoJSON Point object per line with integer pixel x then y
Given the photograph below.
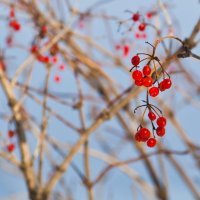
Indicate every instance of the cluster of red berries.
{"type": "Point", "coordinates": [141, 21]}
{"type": "Point", "coordinates": [144, 134]}
{"type": "Point", "coordinates": [11, 146]}
{"type": "Point", "coordinates": [125, 49]}
{"type": "Point", "coordinates": [57, 77]}
{"type": "Point", "coordinates": [143, 78]}
{"type": "Point", "coordinates": [14, 24]}
{"type": "Point", "coordinates": [35, 49]}
{"type": "Point", "coordinates": [42, 58]}
{"type": "Point", "coordinates": [140, 35]}
{"type": "Point", "coordinates": [45, 59]}
{"type": "Point", "coordinates": [136, 18]}
{"type": "Point", "coordinates": [52, 58]}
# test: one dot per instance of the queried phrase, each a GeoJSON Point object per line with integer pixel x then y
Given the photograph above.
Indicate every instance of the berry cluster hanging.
{"type": "Point", "coordinates": [144, 77]}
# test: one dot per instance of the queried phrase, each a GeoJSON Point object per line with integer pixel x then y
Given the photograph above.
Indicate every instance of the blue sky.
{"type": "Point", "coordinates": [119, 186]}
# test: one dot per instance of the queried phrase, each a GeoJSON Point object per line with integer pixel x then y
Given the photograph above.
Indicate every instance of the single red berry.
{"type": "Point", "coordinates": [11, 133]}
{"type": "Point", "coordinates": [138, 82]}
{"type": "Point", "coordinates": [160, 131]}
{"type": "Point", "coordinates": [11, 23]}
{"type": "Point", "coordinates": [17, 26]}
{"type": "Point", "coordinates": [137, 75]}
{"type": "Point", "coordinates": [142, 27]}
{"type": "Point", "coordinates": [117, 46]}
{"type": "Point", "coordinates": [151, 142]}
{"type": "Point", "coordinates": [146, 70]}
{"type": "Point", "coordinates": [135, 60]}
{"type": "Point", "coordinates": [11, 147]}
{"type": "Point", "coordinates": [154, 91]}
{"type": "Point", "coordinates": [137, 35]}
{"type": "Point", "coordinates": [57, 79]}
{"type": "Point", "coordinates": [135, 17]}
{"type": "Point", "coordinates": [149, 14]}
{"type": "Point", "coordinates": [62, 67]}
{"type": "Point", "coordinates": [161, 121]}
{"type": "Point", "coordinates": [9, 40]}
{"type": "Point", "coordinates": [46, 59]}
{"type": "Point", "coordinates": [137, 137]}
{"type": "Point", "coordinates": [147, 81]}
{"type": "Point", "coordinates": [144, 134]}
{"type": "Point", "coordinates": [34, 49]}
{"type": "Point", "coordinates": [12, 12]}
{"type": "Point", "coordinates": [54, 59]}
{"type": "Point", "coordinates": [2, 66]}
{"type": "Point", "coordinates": [151, 116]}
{"type": "Point", "coordinates": [144, 35]}
{"type": "Point", "coordinates": [44, 29]}
{"type": "Point", "coordinates": [161, 86]}
{"type": "Point", "coordinates": [167, 83]}
{"type": "Point", "coordinates": [126, 50]}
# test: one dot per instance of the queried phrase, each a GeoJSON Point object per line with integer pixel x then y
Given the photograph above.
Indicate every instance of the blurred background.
{"type": "Point", "coordinates": [92, 67]}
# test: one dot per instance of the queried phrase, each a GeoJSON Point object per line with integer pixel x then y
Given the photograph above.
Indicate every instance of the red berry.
{"type": "Point", "coordinates": [11, 133]}
{"type": "Point", "coordinates": [34, 49]}
{"type": "Point", "coordinates": [126, 50]}
{"type": "Point", "coordinates": [135, 60]}
{"type": "Point", "coordinates": [137, 75]}
{"type": "Point", "coordinates": [11, 23]}
{"type": "Point", "coordinates": [142, 27]}
{"type": "Point", "coordinates": [15, 25]}
{"type": "Point", "coordinates": [161, 86]}
{"type": "Point", "coordinates": [144, 35]}
{"type": "Point", "coordinates": [137, 35]}
{"type": "Point", "coordinates": [151, 142]}
{"type": "Point", "coordinates": [160, 131]}
{"type": "Point", "coordinates": [138, 82]}
{"type": "Point", "coordinates": [167, 83]}
{"type": "Point", "coordinates": [137, 137]}
{"type": "Point", "coordinates": [62, 67]}
{"type": "Point", "coordinates": [149, 14]}
{"type": "Point", "coordinates": [9, 40]}
{"type": "Point", "coordinates": [10, 147]}
{"type": "Point", "coordinates": [153, 92]}
{"type": "Point", "coordinates": [12, 12]}
{"type": "Point", "coordinates": [161, 122]}
{"type": "Point", "coordinates": [144, 134]}
{"type": "Point", "coordinates": [151, 116]}
{"type": "Point", "coordinates": [44, 29]}
{"type": "Point", "coordinates": [147, 81]}
{"type": "Point", "coordinates": [135, 17]}
{"type": "Point", "coordinates": [44, 59]}
{"type": "Point", "coordinates": [57, 78]}
{"type": "Point", "coordinates": [2, 66]}
{"type": "Point", "coordinates": [117, 46]}
{"type": "Point", "coordinates": [146, 70]}
{"type": "Point", "coordinates": [54, 59]}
